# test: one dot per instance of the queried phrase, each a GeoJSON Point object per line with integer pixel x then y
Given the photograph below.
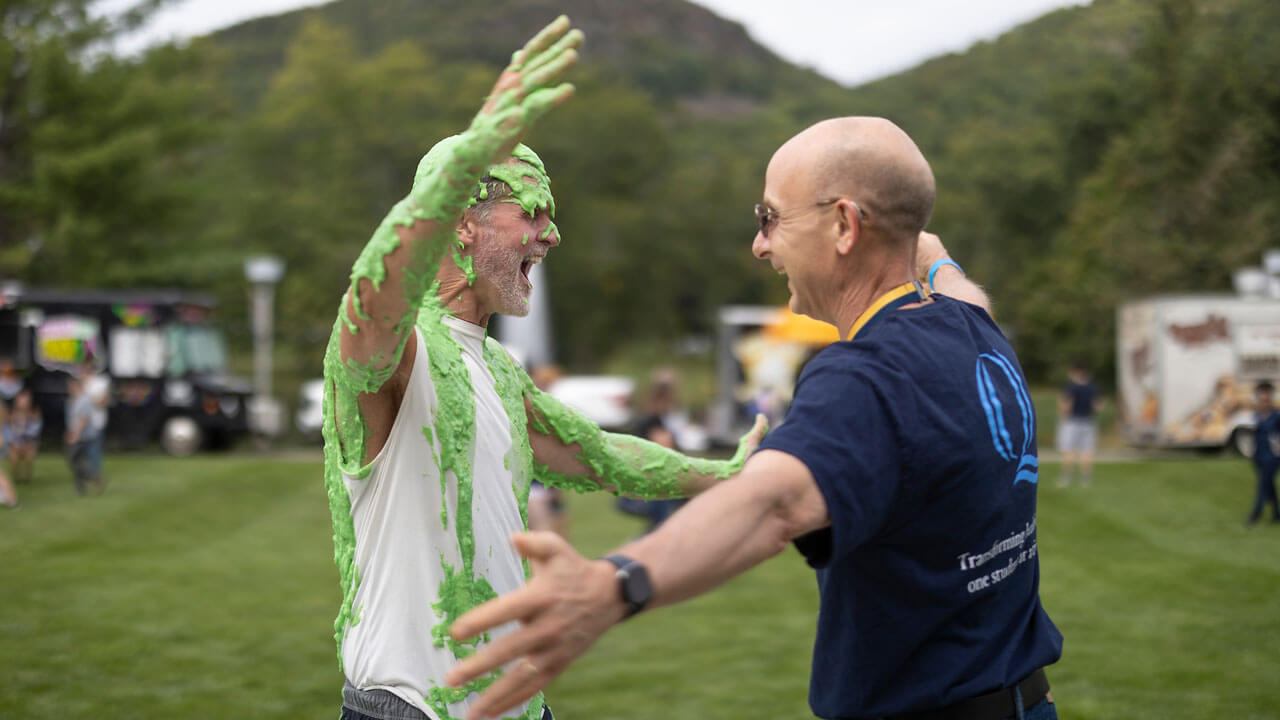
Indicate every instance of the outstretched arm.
{"type": "Point", "coordinates": [572, 601]}
{"type": "Point", "coordinates": [949, 279]}
{"type": "Point", "coordinates": [572, 452]}
{"type": "Point", "coordinates": [397, 269]}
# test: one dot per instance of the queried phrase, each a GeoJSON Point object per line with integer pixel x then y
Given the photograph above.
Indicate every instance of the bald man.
{"type": "Point", "coordinates": [905, 472]}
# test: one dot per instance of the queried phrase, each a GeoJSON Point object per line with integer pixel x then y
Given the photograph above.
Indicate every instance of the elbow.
{"type": "Point", "coordinates": [787, 520]}
{"type": "Point", "coordinates": [774, 535]}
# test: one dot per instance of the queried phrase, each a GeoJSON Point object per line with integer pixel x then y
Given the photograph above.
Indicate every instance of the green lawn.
{"type": "Point", "coordinates": [205, 588]}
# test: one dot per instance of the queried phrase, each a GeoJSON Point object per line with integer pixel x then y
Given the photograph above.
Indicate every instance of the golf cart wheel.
{"type": "Point", "coordinates": [181, 436]}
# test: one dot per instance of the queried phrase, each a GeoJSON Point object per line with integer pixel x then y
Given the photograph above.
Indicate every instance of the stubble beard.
{"type": "Point", "coordinates": [499, 267]}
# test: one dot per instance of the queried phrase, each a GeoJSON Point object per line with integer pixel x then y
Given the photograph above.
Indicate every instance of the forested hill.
{"type": "Point", "coordinates": [1099, 152]}
{"type": "Point", "coordinates": [670, 48]}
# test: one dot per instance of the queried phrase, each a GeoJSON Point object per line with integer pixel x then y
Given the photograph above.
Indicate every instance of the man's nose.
{"type": "Point", "coordinates": [760, 246]}
{"type": "Point", "coordinates": [550, 234]}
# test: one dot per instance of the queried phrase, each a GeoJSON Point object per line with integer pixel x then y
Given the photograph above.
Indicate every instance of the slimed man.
{"type": "Point", "coordinates": [433, 433]}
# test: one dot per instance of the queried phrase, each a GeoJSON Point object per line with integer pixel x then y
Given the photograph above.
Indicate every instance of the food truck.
{"type": "Point", "coordinates": [166, 360]}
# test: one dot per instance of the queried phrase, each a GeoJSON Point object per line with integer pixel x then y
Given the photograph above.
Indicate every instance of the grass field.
{"type": "Point", "coordinates": [205, 588]}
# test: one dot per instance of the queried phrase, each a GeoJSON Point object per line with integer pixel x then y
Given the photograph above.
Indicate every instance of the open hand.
{"type": "Point", "coordinates": [528, 87]}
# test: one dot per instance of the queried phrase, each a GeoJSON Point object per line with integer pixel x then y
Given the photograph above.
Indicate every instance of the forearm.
{"type": "Point", "coordinates": [720, 534]}
{"type": "Point", "coordinates": [574, 453]}
{"type": "Point", "coordinates": [396, 270]}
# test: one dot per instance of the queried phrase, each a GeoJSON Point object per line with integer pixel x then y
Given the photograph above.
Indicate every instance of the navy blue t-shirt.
{"type": "Point", "coordinates": [1268, 427]}
{"type": "Point", "coordinates": [1081, 396]}
{"type": "Point", "coordinates": [921, 436]}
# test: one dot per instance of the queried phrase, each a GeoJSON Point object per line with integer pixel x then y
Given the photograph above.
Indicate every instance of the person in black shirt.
{"type": "Point", "coordinates": [1266, 453]}
{"type": "Point", "coordinates": [905, 472]}
{"type": "Point", "coordinates": [1077, 425]}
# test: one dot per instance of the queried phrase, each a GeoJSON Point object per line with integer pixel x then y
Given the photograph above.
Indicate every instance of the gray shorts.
{"type": "Point", "coordinates": [383, 705]}
{"type": "Point", "coordinates": [1077, 435]}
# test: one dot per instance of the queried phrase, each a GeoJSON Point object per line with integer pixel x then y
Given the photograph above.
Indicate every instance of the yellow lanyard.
{"type": "Point", "coordinates": [891, 300]}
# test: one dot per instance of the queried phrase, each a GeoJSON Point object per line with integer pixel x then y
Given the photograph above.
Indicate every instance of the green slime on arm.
{"type": "Point", "coordinates": [621, 464]}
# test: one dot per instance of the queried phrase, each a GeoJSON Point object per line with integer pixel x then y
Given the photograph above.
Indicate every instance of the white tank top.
{"type": "Point", "coordinates": [403, 540]}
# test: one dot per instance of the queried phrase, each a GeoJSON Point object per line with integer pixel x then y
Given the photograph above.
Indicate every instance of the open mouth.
{"type": "Point", "coordinates": [527, 266]}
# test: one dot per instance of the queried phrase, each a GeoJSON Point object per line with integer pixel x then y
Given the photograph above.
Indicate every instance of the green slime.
{"type": "Point", "coordinates": [448, 180]}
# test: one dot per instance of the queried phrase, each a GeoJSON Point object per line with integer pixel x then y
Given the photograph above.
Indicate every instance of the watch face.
{"type": "Point", "coordinates": [635, 587]}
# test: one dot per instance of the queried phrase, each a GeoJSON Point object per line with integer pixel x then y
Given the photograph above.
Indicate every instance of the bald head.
{"type": "Point", "coordinates": [870, 161]}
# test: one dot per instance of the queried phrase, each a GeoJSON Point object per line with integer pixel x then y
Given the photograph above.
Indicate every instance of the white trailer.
{"type": "Point", "coordinates": [1186, 366]}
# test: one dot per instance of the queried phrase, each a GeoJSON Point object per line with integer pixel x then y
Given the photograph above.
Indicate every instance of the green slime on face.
{"type": "Point", "coordinates": [465, 263]}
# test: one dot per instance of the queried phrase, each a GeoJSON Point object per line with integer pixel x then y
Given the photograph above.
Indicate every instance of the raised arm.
{"type": "Point", "coordinates": [948, 279]}
{"type": "Point", "coordinates": [367, 362]}
{"type": "Point", "coordinates": [572, 452]}
{"type": "Point", "coordinates": [572, 601]}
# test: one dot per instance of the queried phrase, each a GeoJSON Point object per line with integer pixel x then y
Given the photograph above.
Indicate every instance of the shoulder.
{"type": "Point", "coordinates": [495, 349]}
{"type": "Point", "coordinates": [839, 360]}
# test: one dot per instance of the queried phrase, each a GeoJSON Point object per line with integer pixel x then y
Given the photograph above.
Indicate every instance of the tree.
{"type": "Point", "coordinates": [83, 137]}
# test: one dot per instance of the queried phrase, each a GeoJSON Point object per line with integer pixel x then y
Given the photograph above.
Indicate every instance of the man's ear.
{"type": "Point", "coordinates": [468, 230]}
{"type": "Point", "coordinates": [848, 226]}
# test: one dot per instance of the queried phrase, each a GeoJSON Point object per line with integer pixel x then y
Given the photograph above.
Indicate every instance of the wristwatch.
{"type": "Point", "coordinates": [633, 583]}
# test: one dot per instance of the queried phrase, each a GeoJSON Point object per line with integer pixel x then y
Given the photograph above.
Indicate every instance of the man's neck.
{"type": "Point", "coordinates": [858, 297]}
{"type": "Point", "coordinates": [459, 299]}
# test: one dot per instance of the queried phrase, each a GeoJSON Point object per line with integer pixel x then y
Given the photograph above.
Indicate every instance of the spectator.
{"type": "Point", "coordinates": [8, 494]}
{"type": "Point", "coordinates": [1266, 453]}
{"type": "Point", "coordinates": [21, 436]}
{"type": "Point", "coordinates": [97, 386]}
{"type": "Point", "coordinates": [80, 436]}
{"type": "Point", "coordinates": [654, 425]}
{"type": "Point", "coordinates": [1077, 425]}
{"type": "Point", "coordinates": [10, 383]}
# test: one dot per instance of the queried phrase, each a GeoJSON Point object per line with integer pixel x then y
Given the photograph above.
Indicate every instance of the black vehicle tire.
{"type": "Point", "coordinates": [181, 436]}
{"type": "Point", "coordinates": [1242, 441]}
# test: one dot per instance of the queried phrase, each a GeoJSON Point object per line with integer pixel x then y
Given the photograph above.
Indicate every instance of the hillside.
{"type": "Point", "coordinates": [671, 48]}
{"type": "Point", "coordinates": [1099, 152]}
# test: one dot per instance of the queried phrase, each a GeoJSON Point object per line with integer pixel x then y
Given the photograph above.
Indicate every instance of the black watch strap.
{"type": "Point", "coordinates": [633, 583]}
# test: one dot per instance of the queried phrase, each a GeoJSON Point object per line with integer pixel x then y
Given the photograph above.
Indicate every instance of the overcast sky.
{"type": "Point", "coordinates": [850, 41]}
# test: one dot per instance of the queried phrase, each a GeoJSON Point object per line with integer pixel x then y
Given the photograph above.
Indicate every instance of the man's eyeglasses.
{"type": "Point", "coordinates": [767, 217]}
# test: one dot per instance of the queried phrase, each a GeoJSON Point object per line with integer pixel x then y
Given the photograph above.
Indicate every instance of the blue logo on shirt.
{"type": "Point", "coordinates": [995, 373]}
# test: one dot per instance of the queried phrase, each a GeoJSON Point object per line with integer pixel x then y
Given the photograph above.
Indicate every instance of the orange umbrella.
{"type": "Point", "coordinates": [789, 326]}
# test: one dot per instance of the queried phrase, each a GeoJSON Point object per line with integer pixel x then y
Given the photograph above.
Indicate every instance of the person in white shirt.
{"type": "Point", "coordinates": [432, 432]}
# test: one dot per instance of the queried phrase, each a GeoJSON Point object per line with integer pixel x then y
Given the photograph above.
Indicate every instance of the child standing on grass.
{"type": "Point", "coordinates": [21, 436]}
{"type": "Point", "coordinates": [80, 436]}
{"type": "Point", "coordinates": [1266, 454]}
